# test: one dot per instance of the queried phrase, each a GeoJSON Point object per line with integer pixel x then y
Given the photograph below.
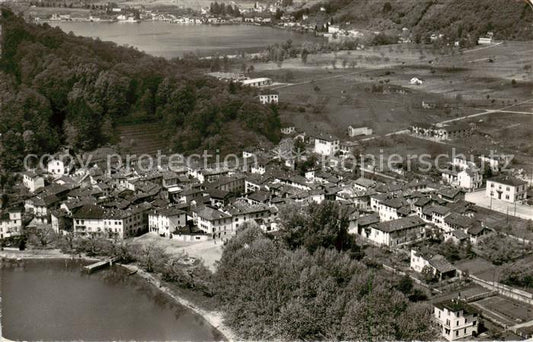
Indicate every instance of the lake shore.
{"type": "Point", "coordinates": [214, 318]}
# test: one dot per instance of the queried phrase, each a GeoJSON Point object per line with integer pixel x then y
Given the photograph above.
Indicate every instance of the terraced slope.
{"type": "Point", "coordinates": [143, 138]}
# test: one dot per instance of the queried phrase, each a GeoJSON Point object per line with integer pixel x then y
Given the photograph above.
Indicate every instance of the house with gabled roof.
{"type": "Point", "coordinates": [439, 267]}
{"type": "Point", "coordinates": [507, 188]}
{"type": "Point", "coordinates": [165, 221]}
{"type": "Point", "coordinates": [456, 319]}
{"type": "Point", "coordinates": [390, 207]}
{"type": "Point", "coordinates": [259, 197]}
{"type": "Point", "coordinates": [398, 232]}
{"type": "Point", "coordinates": [212, 221]}
{"type": "Point", "coordinates": [11, 222]}
{"type": "Point", "coordinates": [97, 221]}
{"type": "Point", "coordinates": [326, 144]}
{"type": "Point", "coordinates": [32, 180]}
{"type": "Point", "coordinates": [242, 212]}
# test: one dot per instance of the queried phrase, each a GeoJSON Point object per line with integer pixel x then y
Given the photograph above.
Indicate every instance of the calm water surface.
{"type": "Point", "coordinates": [54, 300]}
{"type": "Point", "coordinates": [173, 40]}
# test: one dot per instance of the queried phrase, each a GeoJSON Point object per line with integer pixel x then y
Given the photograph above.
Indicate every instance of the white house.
{"type": "Point", "coordinates": [437, 264]}
{"type": "Point", "coordinates": [11, 223]}
{"type": "Point", "coordinates": [416, 81]}
{"type": "Point", "coordinates": [32, 180]}
{"type": "Point", "coordinates": [456, 319]}
{"type": "Point", "coordinates": [93, 220]}
{"type": "Point", "coordinates": [257, 82]}
{"type": "Point", "coordinates": [326, 145]}
{"type": "Point", "coordinates": [165, 221]}
{"type": "Point", "coordinates": [59, 165]}
{"type": "Point", "coordinates": [506, 188]}
{"type": "Point", "coordinates": [267, 97]}
{"type": "Point", "coordinates": [485, 40]}
{"type": "Point", "coordinates": [389, 207]}
{"type": "Point", "coordinates": [214, 222]}
{"type": "Point", "coordinates": [470, 178]}
{"type": "Point", "coordinates": [355, 131]}
{"type": "Point", "coordinates": [288, 130]}
{"type": "Point", "coordinates": [464, 174]}
{"type": "Point", "coordinates": [242, 212]}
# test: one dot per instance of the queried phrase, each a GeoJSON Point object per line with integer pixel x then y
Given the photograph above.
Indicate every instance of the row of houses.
{"type": "Point", "coordinates": [440, 133]}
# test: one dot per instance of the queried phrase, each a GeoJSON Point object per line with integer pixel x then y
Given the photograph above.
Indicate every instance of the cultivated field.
{"type": "Point", "coordinates": [142, 138]}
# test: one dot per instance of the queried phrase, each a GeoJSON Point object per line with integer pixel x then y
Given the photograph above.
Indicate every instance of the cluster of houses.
{"type": "Point", "coordinates": [215, 201]}
{"type": "Point", "coordinates": [266, 95]}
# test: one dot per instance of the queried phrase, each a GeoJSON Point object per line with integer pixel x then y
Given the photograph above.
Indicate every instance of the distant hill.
{"type": "Point", "coordinates": [456, 19]}
{"type": "Point", "coordinates": [58, 89]}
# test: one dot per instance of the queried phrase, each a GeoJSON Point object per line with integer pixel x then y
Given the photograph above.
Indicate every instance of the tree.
{"type": "Point", "coordinates": [319, 225]}
{"type": "Point", "coordinates": [304, 56]}
{"type": "Point", "coordinates": [405, 285]}
{"type": "Point", "coordinates": [428, 274]}
{"type": "Point", "coordinates": [41, 236]}
{"type": "Point", "coordinates": [152, 258]}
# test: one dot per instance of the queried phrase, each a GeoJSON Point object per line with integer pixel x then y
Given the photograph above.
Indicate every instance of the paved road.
{"type": "Point", "coordinates": [518, 210]}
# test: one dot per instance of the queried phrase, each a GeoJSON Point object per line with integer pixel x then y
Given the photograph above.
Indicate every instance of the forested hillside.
{"type": "Point", "coordinates": [456, 19]}
{"type": "Point", "coordinates": [60, 89]}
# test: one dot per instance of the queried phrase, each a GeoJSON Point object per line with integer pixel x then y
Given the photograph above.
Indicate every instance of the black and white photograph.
{"type": "Point", "coordinates": [266, 170]}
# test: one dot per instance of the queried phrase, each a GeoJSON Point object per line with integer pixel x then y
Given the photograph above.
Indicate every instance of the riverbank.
{"type": "Point", "coordinates": [214, 318]}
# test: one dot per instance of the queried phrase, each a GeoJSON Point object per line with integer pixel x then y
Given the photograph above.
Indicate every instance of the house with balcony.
{"type": "Point", "coordinates": [97, 221]}
{"type": "Point", "coordinates": [10, 223]}
{"type": "Point", "coordinates": [165, 221]}
{"type": "Point", "coordinates": [456, 319]}
{"type": "Point", "coordinates": [269, 97]}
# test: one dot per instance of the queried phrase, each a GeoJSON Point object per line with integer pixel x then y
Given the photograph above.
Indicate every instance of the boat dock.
{"type": "Point", "coordinates": [99, 265]}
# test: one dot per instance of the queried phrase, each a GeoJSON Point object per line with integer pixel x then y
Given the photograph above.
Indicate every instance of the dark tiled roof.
{"type": "Point", "coordinates": [507, 180]}
{"type": "Point", "coordinates": [400, 224]}
{"type": "Point", "coordinates": [456, 305]}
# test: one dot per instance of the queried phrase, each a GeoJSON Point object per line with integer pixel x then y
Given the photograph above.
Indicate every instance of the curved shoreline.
{"type": "Point", "coordinates": [213, 318]}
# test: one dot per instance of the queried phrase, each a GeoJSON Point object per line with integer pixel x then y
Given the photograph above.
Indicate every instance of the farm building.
{"type": "Point", "coordinates": [257, 82]}
{"type": "Point", "coordinates": [453, 131]}
{"type": "Point", "coordinates": [355, 131]}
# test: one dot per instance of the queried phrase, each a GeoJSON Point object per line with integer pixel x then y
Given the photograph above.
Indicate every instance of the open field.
{"type": "Point", "coordinates": [371, 87]}
{"type": "Point", "coordinates": [505, 310]}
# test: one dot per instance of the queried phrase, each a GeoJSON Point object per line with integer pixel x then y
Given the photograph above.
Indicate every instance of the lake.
{"type": "Point", "coordinates": [174, 40]}
{"type": "Point", "coordinates": [53, 300]}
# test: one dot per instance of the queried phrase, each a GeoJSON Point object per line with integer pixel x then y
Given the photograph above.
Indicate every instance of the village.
{"type": "Point", "coordinates": [456, 222]}
{"type": "Point", "coordinates": [425, 227]}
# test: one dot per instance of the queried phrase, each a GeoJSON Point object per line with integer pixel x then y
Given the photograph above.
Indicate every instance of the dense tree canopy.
{"type": "Point", "coordinates": [56, 89]}
{"type": "Point", "coordinates": [270, 292]}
